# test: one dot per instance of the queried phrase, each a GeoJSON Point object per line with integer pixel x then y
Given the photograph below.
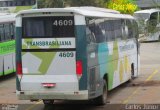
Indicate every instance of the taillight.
{"type": "Point", "coordinates": [19, 68]}
{"type": "Point", "coordinates": [79, 68]}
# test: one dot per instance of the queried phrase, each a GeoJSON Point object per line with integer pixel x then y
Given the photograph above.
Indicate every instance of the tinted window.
{"type": "Point", "coordinates": [135, 29]}
{"type": "Point", "coordinates": [106, 29]}
{"type": "Point", "coordinates": [6, 31]}
{"type": "Point", "coordinates": [90, 36]}
{"type": "Point", "coordinates": [96, 28]}
{"type": "Point", "coordinates": [153, 22]}
{"type": "Point", "coordinates": [12, 27]}
{"type": "Point", "coordinates": [130, 28]}
{"type": "Point", "coordinates": [1, 32]}
{"type": "Point", "coordinates": [124, 30]}
{"type": "Point", "coordinates": [61, 26]}
{"type": "Point", "coordinates": [118, 29]}
{"type": "Point", "coordinates": [110, 34]}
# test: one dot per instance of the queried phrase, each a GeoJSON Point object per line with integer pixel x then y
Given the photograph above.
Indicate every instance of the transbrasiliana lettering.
{"type": "Point", "coordinates": [48, 43]}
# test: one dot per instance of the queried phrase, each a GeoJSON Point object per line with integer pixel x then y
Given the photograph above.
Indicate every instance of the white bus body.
{"type": "Point", "coordinates": [74, 53]}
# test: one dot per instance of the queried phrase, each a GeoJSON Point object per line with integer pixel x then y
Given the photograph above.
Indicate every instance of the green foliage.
{"type": "Point", "coordinates": [124, 6]}
{"type": "Point", "coordinates": [19, 8]}
{"type": "Point", "coordinates": [50, 3]}
{"type": "Point", "coordinates": [98, 3]}
{"type": "Point", "coordinates": [63, 3]}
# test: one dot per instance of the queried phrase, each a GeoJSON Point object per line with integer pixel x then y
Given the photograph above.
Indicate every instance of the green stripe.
{"type": "Point", "coordinates": [7, 47]}
{"type": "Point", "coordinates": [8, 71]}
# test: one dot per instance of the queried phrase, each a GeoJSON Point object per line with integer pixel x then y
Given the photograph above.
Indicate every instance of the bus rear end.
{"type": "Point", "coordinates": [46, 61]}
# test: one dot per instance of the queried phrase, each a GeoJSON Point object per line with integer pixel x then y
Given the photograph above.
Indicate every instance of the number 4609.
{"type": "Point", "coordinates": [63, 22]}
{"type": "Point", "coordinates": [66, 54]}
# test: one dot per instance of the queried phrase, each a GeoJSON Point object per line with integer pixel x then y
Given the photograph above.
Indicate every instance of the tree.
{"type": "Point", "coordinates": [98, 3]}
{"type": "Point", "coordinates": [50, 3]}
{"type": "Point", "coordinates": [62, 3]}
{"type": "Point", "coordinates": [124, 6]}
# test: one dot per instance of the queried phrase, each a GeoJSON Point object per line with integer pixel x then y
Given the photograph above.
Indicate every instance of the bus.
{"type": "Point", "coordinates": [7, 44]}
{"type": "Point", "coordinates": [149, 24]}
{"type": "Point", "coordinates": [76, 53]}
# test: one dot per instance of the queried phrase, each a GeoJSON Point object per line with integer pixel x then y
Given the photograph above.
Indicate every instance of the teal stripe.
{"type": "Point", "coordinates": [18, 52]}
{"type": "Point", "coordinates": [81, 49]}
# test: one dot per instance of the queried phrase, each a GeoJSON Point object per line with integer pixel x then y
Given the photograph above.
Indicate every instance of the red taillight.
{"type": "Point", "coordinates": [19, 68]}
{"type": "Point", "coordinates": [79, 68]}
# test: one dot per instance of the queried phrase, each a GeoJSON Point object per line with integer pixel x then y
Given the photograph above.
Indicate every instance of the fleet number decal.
{"type": "Point", "coordinates": [63, 23]}
{"type": "Point", "coordinates": [66, 54]}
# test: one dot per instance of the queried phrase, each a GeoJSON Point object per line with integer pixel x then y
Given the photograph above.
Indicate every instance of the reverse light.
{"type": "Point", "coordinates": [79, 68]}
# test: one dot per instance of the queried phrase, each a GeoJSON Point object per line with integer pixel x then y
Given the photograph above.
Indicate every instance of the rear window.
{"type": "Point", "coordinates": [52, 27]}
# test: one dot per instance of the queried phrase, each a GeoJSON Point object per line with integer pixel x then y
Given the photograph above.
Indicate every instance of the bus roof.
{"type": "Point", "coordinates": [7, 17]}
{"type": "Point", "coordinates": [149, 11]}
{"type": "Point", "coordinates": [1, 14]}
{"type": "Point", "coordinates": [85, 11]}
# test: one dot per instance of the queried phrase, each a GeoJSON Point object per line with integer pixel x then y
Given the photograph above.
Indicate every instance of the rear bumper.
{"type": "Point", "coordinates": [36, 95]}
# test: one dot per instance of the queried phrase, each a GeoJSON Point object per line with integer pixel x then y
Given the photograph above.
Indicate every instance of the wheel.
{"type": "Point", "coordinates": [48, 102]}
{"type": "Point", "coordinates": [102, 100]}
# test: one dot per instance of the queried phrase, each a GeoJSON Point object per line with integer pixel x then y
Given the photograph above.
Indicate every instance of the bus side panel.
{"type": "Point", "coordinates": [7, 48]}
{"type": "Point", "coordinates": [95, 80]}
{"type": "Point", "coordinates": [14, 62]}
{"type": "Point", "coordinates": [8, 64]}
{"type": "Point", "coordinates": [121, 55]}
{"type": "Point", "coordinates": [112, 63]}
{"type": "Point", "coordinates": [81, 54]}
{"type": "Point", "coordinates": [1, 65]}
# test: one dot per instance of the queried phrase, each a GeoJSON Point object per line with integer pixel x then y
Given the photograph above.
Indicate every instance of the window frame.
{"type": "Point", "coordinates": [51, 18]}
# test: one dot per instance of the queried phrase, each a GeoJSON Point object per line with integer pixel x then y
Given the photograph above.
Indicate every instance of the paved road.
{"type": "Point", "coordinates": [142, 90]}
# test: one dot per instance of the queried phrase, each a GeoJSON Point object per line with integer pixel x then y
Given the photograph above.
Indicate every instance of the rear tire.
{"type": "Point", "coordinates": [102, 100]}
{"type": "Point", "coordinates": [48, 102]}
